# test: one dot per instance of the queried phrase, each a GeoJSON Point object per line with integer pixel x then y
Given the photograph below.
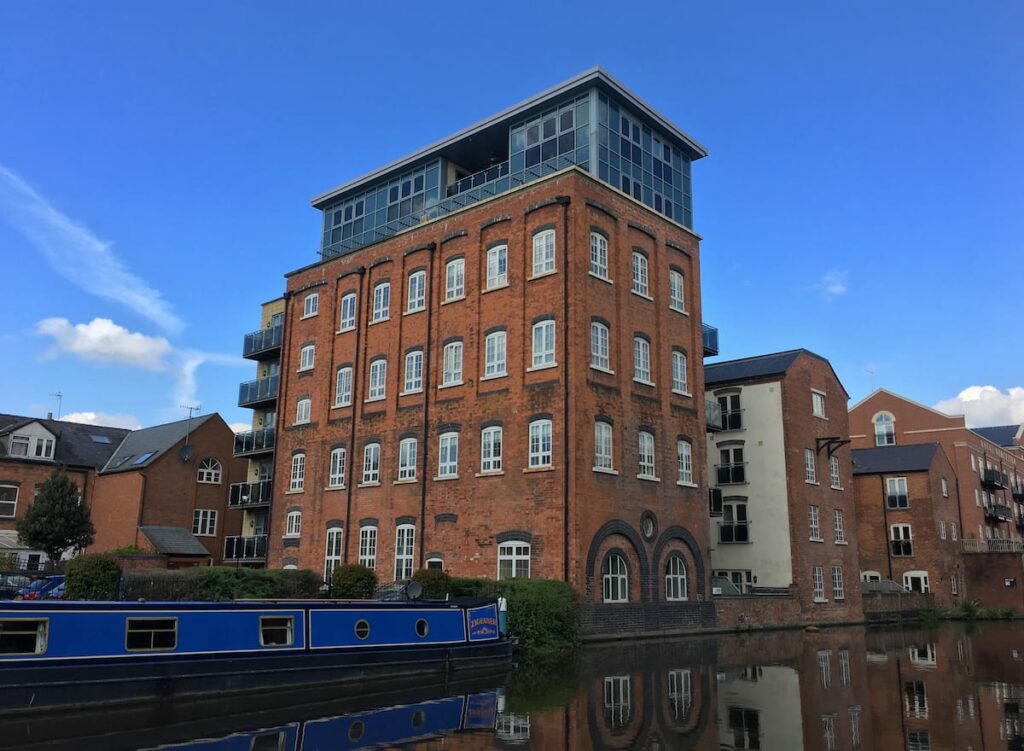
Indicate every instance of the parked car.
{"type": "Point", "coordinates": [12, 584]}
{"type": "Point", "coordinates": [43, 589]}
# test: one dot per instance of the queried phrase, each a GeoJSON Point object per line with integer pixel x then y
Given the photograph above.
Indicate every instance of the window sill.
{"type": "Point", "coordinates": [839, 598]}
{"type": "Point", "coordinates": [300, 424]}
{"type": "Point", "coordinates": [369, 484]}
{"type": "Point", "coordinates": [605, 470]}
{"type": "Point", "coordinates": [842, 542]}
{"type": "Point", "coordinates": [820, 417]}
{"type": "Point", "coordinates": [304, 370]}
{"type": "Point", "coordinates": [643, 382]}
{"type": "Point", "coordinates": [600, 278]}
{"type": "Point", "coordinates": [309, 315]}
{"type": "Point", "coordinates": [450, 300]}
{"type": "Point", "coordinates": [346, 330]}
{"type": "Point", "coordinates": [334, 487]}
{"type": "Point", "coordinates": [410, 392]}
{"type": "Point", "coordinates": [407, 481]}
{"type": "Point", "coordinates": [533, 470]}
{"type": "Point", "coordinates": [494, 376]}
{"type": "Point", "coordinates": [599, 369]}
{"type": "Point", "coordinates": [445, 478]}
{"type": "Point", "coordinates": [836, 487]}
{"type": "Point", "coordinates": [196, 534]}
{"type": "Point", "coordinates": [811, 482]}
{"type": "Point", "coordinates": [451, 385]}
{"type": "Point", "coordinates": [542, 274]}
{"type": "Point", "coordinates": [682, 484]}
{"type": "Point", "coordinates": [342, 406]}
{"type": "Point", "coordinates": [682, 393]}
{"type": "Point", "coordinates": [820, 601]}
{"type": "Point", "coordinates": [290, 537]}
{"type": "Point", "coordinates": [414, 311]}
{"type": "Point", "coordinates": [491, 473]}
{"type": "Point", "coordinates": [374, 399]}
{"type": "Point", "coordinates": [375, 321]}
{"type": "Point", "coordinates": [547, 366]}
{"type": "Point", "coordinates": [680, 311]}
{"type": "Point", "coordinates": [495, 288]}
{"type": "Point", "coordinates": [644, 295]}
{"type": "Point", "coordinates": [294, 492]}
{"type": "Point", "coordinates": [816, 539]}
{"type": "Point", "coordinates": [648, 478]}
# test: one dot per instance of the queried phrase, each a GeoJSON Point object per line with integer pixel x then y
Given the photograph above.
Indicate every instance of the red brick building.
{"type": "Point", "coordinates": [509, 382]}
{"type": "Point", "coordinates": [908, 519]}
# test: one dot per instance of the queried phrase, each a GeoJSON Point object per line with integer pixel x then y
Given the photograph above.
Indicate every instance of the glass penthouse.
{"type": "Point", "coordinates": [591, 121]}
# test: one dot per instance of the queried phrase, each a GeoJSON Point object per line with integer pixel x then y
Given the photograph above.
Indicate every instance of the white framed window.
{"type": "Point", "coordinates": [378, 379]}
{"type": "Point", "coordinates": [540, 443]}
{"type": "Point", "coordinates": [209, 471]}
{"type": "Point", "coordinates": [451, 364]}
{"type": "Point", "coordinates": [491, 449]}
{"type": "Point", "coordinates": [600, 355]}
{"type": "Point", "coordinates": [293, 524]}
{"type": "Point", "coordinates": [917, 581]}
{"type": "Point", "coordinates": [838, 592]}
{"type": "Point", "coordinates": [407, 459]}
{"type": "Point", "coordinates": [455, 279]}
{"type": "Point", "coordinates": [298, 475]}
{"type": "Point", "coordinates": [18, 445]}
{"type": "Point", "coordinates": [514, 560]}
{"type": "Point", "coordinates": [204, 522]}
{"type": "Point", "coordinates": [679, 384]}
{"type": "Point", "coordinates": [44, 448]}
{"type": "Point", "coordinates": [896, 492]}
{"type": "Point", "coordinates": [885, 431]}
{"type": "Point", "coordinates": [448, 455]}
{"type": "Point", "coordinates": [676, 291]}
{"type": "Point", "coordinates": [497, 267]}
{"type": "Point", "coordinates": [952, 531]}
{"type": "Point", "coordinates": [645, 458]}
{"type": "Point", "coordinates": [417, 297]}
{"type": "Point", "coordinates": [813, 523]}
{"type": "Point", "coordinates": [8, 501]}
{"type": "Point", "coordinates": [838, 526]}
{"type": "Point", "coordinates": [347, 319]}
{"type": "Point", "coordinates": [834, 472]}
{"type": "Point", "coordinates": [818, 584]}
{"type": "Point", "coordinates": [599, 255]}
{"type": "Point", "coordinates": [311, 305]}
{"type": "Point", "coordinates": [640, 277]}
{"type": "Point", "coordinates": [615, 579]}
{"type": "Point", "coordinates": [544, 252]}
{"type": "Point", "coordinates": [818, 404]}
{"type": "Point", "coordinates": [302, 410]}
{"type": "Point", "coordinates": [675, 579]}
{"type": "Point", "coordinates": [332, 552]}
{"type": "Point", "coordinates": [307, 356]}
{"type": "Point", "coordinates": [336, 474]}
{"type": "Point", "coordinates": [543, 344]}
{"type": "Point", "coordinates": [382, 301]}
{"type": "Point", "coordinates": [371, 464]}
{"type": "Point", "coordinates": [494, 354]}
{"type": "Point", "coordinates": [602, 445]}
{"type": "Point", "coordinates": [641, 360]}
{"type": "Point", "coordinates": [368, 547]}
{"type": "Point", "coordinates": [945, 488]}
{"type": "Point", "coordinates": [901, 540]}
{"type": "Point", "coordinates": [810, 467]}
{"type": "Point", "coordinates": [942, 530]}
{"type": "Point", "coordinates": [684, 455]}
{"type": "Point", "coordinates": [405, 545]}
{"type": "Point", "coordinates": [413, 371]}
{"type": "Point", "coordinates": [343, 387]}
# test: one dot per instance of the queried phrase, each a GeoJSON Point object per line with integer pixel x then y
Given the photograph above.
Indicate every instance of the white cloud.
{"type": "Point", "coordinates": [239, 427]}
{"type": "Point", "coordinates": [986, 406]}
{"type": "Point", "coordinates": [78, 255]}
{"type": "Point", "coordinates": [102, 340]}
{"type": "Point", "coordinates": [833, 284]}
{"type": "Point", "coordinates": [185, 367]}
{"type": "Point", "coordinates": [104, 418]}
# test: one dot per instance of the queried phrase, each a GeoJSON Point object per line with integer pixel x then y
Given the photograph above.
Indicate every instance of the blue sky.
{"type": "Point", "coordinates": [862, 197]}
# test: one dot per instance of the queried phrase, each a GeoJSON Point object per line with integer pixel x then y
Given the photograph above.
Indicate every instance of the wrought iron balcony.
{"type": "Point", "coordinates": [997, 512]}
{"type": "Point", "coordinates": [902, 548]}
{"type": "Point", "coordinates": [238, 548]}
{"type": "Point", "coordinates": [897, 500]}
{"type": "Point", "coordinates": [710, 337]}
{"type": "Point", "coordinates": [264, 344]}
{"type": "Point", "coordinates": [254, 442]}
{"type": "Point", "coordinates": [975, 545]}
{"type": "Point", "coordinates": [250, 494]}
{"type": "Point", "coordinates": [993, 478]}
{"type": "Point", "coordinates": [259, 393]}
{"type": "Point", "coordinates": [713, 415]}
{"type": "Point", "coordinates": [731, 474]}
{"type": "Point", "coordinates": [733, 532]}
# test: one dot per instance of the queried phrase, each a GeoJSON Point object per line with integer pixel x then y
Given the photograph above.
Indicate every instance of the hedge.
{"type": "Point", "coordinates": [353, 582]}
{"type": "Point", "coordinates": [435, 583]}
{"type": "Point", "coordinates": [219, 583]}
{"type": "Point", "coordinates": [93, 576]}
{"type": "Point", "coordinates": [543, 615]}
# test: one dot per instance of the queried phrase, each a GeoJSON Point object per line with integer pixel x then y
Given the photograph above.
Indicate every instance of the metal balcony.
{"type": "Point", "coordinates": [902, 548]}
{"type": "Point", "coordinates": [1018, 492]}
{"type": "Point", "coordinates": [975, 545]}
{"type": "Point", "coordinates": [732, 419]}
{"type": "Point", "coordinates": [994, 479]}
{"type": "Point", "coordinates": [997, 512]}
{"type": "Point", "coordinates": [731, 474]}
{"type": "Point", "coordinates": [713, 415]}
{"type": "Point", "coordinates": [897, 500]}
{"type": "Point", "coordinates": [710, 337]}
{"type": "Point", "coordinates": [254, 442]}
{"type": "Point", "coordinates": [259, 393]}
{"type": "Point", "coordinates": [734, 532]}
{"type": "Point", "coordinates": [238, 548]}
{"type": "Point", "coordinates": [250, 494]}
{"type": "Point", "coordinates": [264, 344]}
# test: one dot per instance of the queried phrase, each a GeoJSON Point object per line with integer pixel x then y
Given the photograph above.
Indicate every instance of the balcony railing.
{"type": "Point", "coordinates": [902, 548]}
{"type": "Point", "coordinates": [732, 419]}
{"type": "Point", "coordinates": [1018, 492]}
{"type": "Point", "coordinates": [731, 474]}
{"type": "Point", "coordinates": [713, 415]}
{"type": "Point", "coordinates": [250, 494]}
{"type": "Point", "coordinates": [255, 442]}
{"type": "Point", "coordinates": [998, 512]}
{"type": "Point", "coordinates": [262, 344]}
{"type": "Point", "coordinates": [245, 548]}
{"type": "Point", "coordinates": [710, 337]}
{"type": "Point", "coordinates": [897, 500]}
{"type": "Point", "coordinates": [975, 545]}
{"type": "Point", "coordinates": [260, 391]}
{"type": "Point", "coordinates": [733, 532]}
{"type": "Point", "coordinates": [993, 478]}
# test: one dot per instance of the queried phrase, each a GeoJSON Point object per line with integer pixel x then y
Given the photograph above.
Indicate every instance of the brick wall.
{"type": "Point", "coordinates": [987, 575]}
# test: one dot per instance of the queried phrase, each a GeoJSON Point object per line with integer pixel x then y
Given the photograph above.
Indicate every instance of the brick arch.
{"type": "Point", "coordinates": [687, 538]}
{"type": "Point", "coordinates": [619, 527]}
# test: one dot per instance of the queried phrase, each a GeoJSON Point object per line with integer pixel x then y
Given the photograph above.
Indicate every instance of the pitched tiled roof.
{"type": "Point", "coordinates": [173, 540]}
{"type": "Point", "coordinates": [913, 458]}
{"type": "Point", "coordinates": [78, 445]}
{"type": "Point", "coordinates": [1001, 435]}
{"type": "Point", "coordinates": [143, 447]}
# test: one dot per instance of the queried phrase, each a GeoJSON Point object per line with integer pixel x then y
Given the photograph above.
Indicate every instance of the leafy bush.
{"type": "Point", "coordinates": [462, 586]}
{"type": "Point", "coordinates": [126, 550]}
{"type": "Point", "coordinates": [435, 583]}
{"type": "Point", "coordinates": [543, 615]}
{"type": "Point", "coordinates": [219, 583]}
{"type": "Point", "coordinates": [1007, 614]}
{"type": "Point", "coordinates": [8, 561]}
{"type": "Point", "coordinates": [92, 577]}
{"type": "Point", "coordinates": [969, 610]}
{"type": "Point", "coordinates": [353, 582]}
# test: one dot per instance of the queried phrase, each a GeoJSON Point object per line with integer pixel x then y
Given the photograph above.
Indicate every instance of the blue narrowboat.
{"type": "Point", "coordinates": [79, 654]}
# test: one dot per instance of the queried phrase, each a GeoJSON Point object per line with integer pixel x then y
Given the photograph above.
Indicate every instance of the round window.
{"type": "Point", "coordinates": [362, 629]}
{"type": "Point", "coordinates": [422, 628]}
{"type": "Point", "coordinates": [356, 730]}
{"type": "Point", "coordinates": [648, 526]}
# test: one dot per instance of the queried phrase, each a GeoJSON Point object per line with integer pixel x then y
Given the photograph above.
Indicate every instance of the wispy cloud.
{"type": "Point", "coordinates": [102, 340]}
{"type": "Point", "coordinates": [187, 363]}
{"type": "Point", "coordinates": [75, 253]}
{"type": "Point", "coordinates": [985, 406]}
{"type": "Point", "coordinates": [104, 418]}
{"type": "Point", "coordinates": [833, 283]}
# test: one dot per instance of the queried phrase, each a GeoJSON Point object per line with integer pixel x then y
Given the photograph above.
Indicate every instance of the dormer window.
{"type": "Point", "coordinates": [18, 445]}
{"type": "Point", "coordinates": [44, 448]}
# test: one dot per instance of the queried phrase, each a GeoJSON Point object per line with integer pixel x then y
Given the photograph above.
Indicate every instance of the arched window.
{"type": "Point", "coordinates": [885, 429]}
{"type": "Point", "coordinates": [640, 285]}
{"type": "Point", "coordinates": [540, 443]}
{"type": "Point", "coordinates": [302, 410]}
{"type": "Point", "coordinates": [497, 267]}
{"type": "Point", "coordinates": [382, 301]}
{"type": "Point", "coordinates": [336, 476]}
{"type": "Point", "coordinates": [600, 352]}
{"type": "Point", "coordinates": [298, 476]}
{"type": "Point", "coordinates": [599, 255]}
{"type": "Point", "coordinates": [675, 579]}
{"type": "Point", "coordinates": [455, 279]}
{"type": "Point", "coordinates": [417, 291]}
{"type": "Point", "coordinates": [209, 471]}
{"type": "Point", "coordinates": [343, 387]}
{"type": "Point", "coordinates": [332, 553]}
{"type": "Point", "coordinates": [615, 579]}
{"type": "Point", "coordinates": [293, 524]}
{"type": "Point", "coordinates": [413, 371]}
{"type": "Point", "coordinates": [347, 320]}
{"type": "Point", "coordinates": [641, 360]}
{"type": "Point", "coordinates": [603, 446]}
{"type": "Point", "coordinates": [544, 252]}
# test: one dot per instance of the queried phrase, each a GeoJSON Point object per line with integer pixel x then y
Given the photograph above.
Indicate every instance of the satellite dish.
{"type": "Point", "coordinates": [185, 453]}
{"type": "Point", "coordinates": [414, 590]}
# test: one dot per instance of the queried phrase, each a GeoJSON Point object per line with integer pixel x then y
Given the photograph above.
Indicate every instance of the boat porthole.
{"type": "Point", "coordinates": [356, 730]}
{"type": "Point", "coordinates": [422, 628]}
{"type": "Point", "coordinates": [362, 629]}
{"type": "Point", "coordinates": [419, 719]}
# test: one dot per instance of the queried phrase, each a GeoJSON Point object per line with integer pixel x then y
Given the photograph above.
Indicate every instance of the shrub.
{"type": "Point", "coordinates": [1007, 614]}
{"type": "Point", "coordinates": [353, 582]}
{"type": "Point", "coordinates": [435, 583]}
{"type": "Point", "coordinates": [969, 610]}
{"type": "Point", "coordinates": [219, 583]}
{"type": "Point", "coordinates": [462, 586]}
{"type": "Point", "coordinates": [543, 615]}
{"type": "Point", "coordinates": [126, 550]}
{"type": "Point", "coordinates": [8, 561]}
{"type": "Point", "coordinates": [92, 577]}
{"type": "Point", "coordinates": [297, 584]}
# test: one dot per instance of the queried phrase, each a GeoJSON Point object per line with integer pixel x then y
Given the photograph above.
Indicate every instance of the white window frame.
{"type": "Point", "coordinates": [814, 524]}
{"type": "Point", "coordinates": [407, 456]}
{"type": "Point", "coordinates": [684, 460]}
{"type": "Point", "coordinates": [541, 444]}
{"type": "Point", "coordinates": [818, 584]}
{"type": "Point", "coordinates": [810, 467]}
{"type": "Point", "coordinates": [926, 585]}
{"type": "Point", "coordinates": [641, 275]}
{"type": "Point", "coordinates": [882, 438]}
{"type": "Point", "coordinates": [516, 555]}
{"type": "Point", "coordinates": [451, 364]}
{"type": "Point", "coordinates": [204, 522]}
{"type": "Point", "coordinates": [18, 442]}
{"type": "Point", "coordinates": [311, 305]}
{"type": "Point", "coordinates": [544, 253]}
{"type": "Point", "coordinates": [293, 524]}
{"type": "Point", "coordinates": [376, 386]}
{"type": "Point", "coordinates": [307, 357]}
{"type": "Point", "coordinates": [416, 300]}
{"type": "Point", "coordinates": [604, 447]}
{"type": "Point", "coordinates": [336, 468]}
{"type": "Point", "coordinates": [455, 279]}
{"type": "Point", "coordinates": [839, 527]}
{"type": "Point", "coordinates": [679, 380]}
{"type": "Point", "coordinates": [599, 256]}
{"type": "Point", "coordinates": [371, 464]}
{"type": "Point", "coordinates": [343, 387]}
{"type": "Point", "coordinates": [405, 549]}
{"type": "Point", "coordinates": [491, 448]}
{"type": "Point", "coordinates": [368, 546]}
{"type": "Point", "coordinates": [953, 531]}
{"type": "Point", "coordinates": [906, 534]}
{"type": "Point", "coordinates": [676, 579]}
{"type": "Point", "coordinates": [413, 371]}
{"type": "Point", "coordinates": [818, 404]}
{"type": "Point", "coordinates": [945, 488]}
{"type": "Point", "coordinates": [838, 587]}
{"type": "Point", "coordinates": [615, 582]}
{"type": "Point", "coordinates": [297, 479]}
{"type": "Point", "coordinates": [381, 302]}
{"type": "Point", "coordinates": [942, 529]}
{"type": "Point", "coordinates": [12, 503]}
{"type": "Point", "coordinates": [496, 354]}
{"type": "Point", "coordinates": [497, 267]}
{"type": "Point", "coordinates": [448, 455]}
{"type": "Point", "coordinates": [835, 472]}
{"type": "Point", "coordinates": [676, 291]}
{"type": "Point", "coordinates": [347, 315]}
{"type": "Point", "coordinates": [209, 471]}
{"type": "Point", "coordinates": [646, 465]}
{"type": "Point", "coordinates": [642, 360]}
{"type": "Point", "coordinates": [303, 410]}
{"type": "Point", "coordinates": [332, 551]}
{"type": "Point", "coordinates": [543, 345]}
{"type": "Point", "coordinates": [600, 346]}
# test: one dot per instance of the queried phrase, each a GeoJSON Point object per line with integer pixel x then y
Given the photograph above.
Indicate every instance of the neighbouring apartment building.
{"type": "Point", "coordinates": [495, 367]}
{"type": "Point", "coordinates": [161, 489]}
{"type": "Point", "coordinates": [908, 519]}
{"type": "Point", "coordinates": [783, 520]}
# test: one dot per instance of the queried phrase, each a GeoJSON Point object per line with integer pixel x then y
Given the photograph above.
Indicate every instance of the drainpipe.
{"type": "Point", "coordinates": [885, 518]}
{"type": "Point", "coordinates": [286, 333]}
{"type": "Point", "coordinates": [564, 201]}
{"type": "Point", "coordinates": [350, 479]}
{"type": "Point", "coordinates": [428, 390]}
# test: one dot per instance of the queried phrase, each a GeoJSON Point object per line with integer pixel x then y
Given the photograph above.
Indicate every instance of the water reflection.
{"type": "Point", "coordinates": [905, 690]}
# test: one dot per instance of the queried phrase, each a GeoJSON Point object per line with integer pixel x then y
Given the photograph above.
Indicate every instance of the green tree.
{"type": "Point", "coordinates": [58, 521]}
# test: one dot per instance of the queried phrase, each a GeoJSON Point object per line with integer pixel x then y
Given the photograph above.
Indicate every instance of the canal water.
{"type": "Point", "coordinates": [958, 686]}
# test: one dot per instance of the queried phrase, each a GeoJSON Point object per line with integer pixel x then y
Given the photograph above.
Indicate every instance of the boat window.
{"type": "Point", "coordinates": [145, 634]}
{"type": "Point", "coordinates": [422, 628]}
{"type": "Point", "coordinates": [269, 742]}
{"type": "Point", "coordinates": [23, 637]}
{"type": "Point", "coordinates": [362, 629]}
{"type": "Point", "coordinates": [277, 631]}
{"type": "Point", "coordinates": [356, 730]}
